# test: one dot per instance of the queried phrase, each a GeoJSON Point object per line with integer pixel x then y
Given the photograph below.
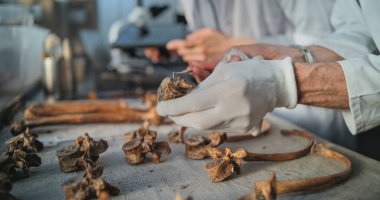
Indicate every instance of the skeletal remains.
{"type": "Point", "coordinates": [141, 142]}
{"type": "Point", "coordinates": [89, 186]}
{"type": "Point", "coordinates": [85, 150]}
{"type": "Point", "coordinates": [5, 188]}
{"type": "Point", "coordinates": [223, 165]}
{"type": "Point", "coordinates": [177, 136]}
{"type": "Point", "coordinates": [25, 141]}
{"type": "Point", "coordinates": [268, 190]}
{"type": "Point", "coordinates": [200, 147]}
{"type": "Point", "coordinates": [171, 88]}
{"type": "Point", "coordinates": [93, 111]}
{"type": "Point", "coordinates": [20, 157]}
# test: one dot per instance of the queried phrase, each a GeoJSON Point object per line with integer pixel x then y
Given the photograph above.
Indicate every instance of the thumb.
{"type": "Point", "coordinates": [209, 64]}
{"type": "Point", "coordinates": [198, 73]}
{"type": "Point", "coordinates": [174, 45]}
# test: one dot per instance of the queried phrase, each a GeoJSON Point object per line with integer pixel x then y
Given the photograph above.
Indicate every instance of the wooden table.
{"type": "Point", "coordinates": [176, 174]}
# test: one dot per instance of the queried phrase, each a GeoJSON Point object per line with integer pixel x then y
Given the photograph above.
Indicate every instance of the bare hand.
{"type": "Point", "coordinates": [153, 54]}
{"type": "Point", "coordinates": [201, 70]}
{"type": "Point", "coordinates": [273, 52]}
{"type": "Point", "coordinates": [200, 45]}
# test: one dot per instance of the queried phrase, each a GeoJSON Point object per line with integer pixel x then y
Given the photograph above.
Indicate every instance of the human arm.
{"type": "Point", "coordinates": [203, 44]}
{"type": "Point", "coordinates": [268, 52]}
{"type": "Point", "coordinates": [322, 85]}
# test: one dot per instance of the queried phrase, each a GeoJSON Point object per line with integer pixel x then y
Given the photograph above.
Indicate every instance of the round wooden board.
{"type": "Point", "coordinates": [264, 130]}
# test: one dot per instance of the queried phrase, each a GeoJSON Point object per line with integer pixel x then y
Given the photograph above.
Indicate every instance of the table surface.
{"type": "Point", "coordinates": [177, 174]}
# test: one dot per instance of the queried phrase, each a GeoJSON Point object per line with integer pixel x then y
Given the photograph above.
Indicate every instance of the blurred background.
{"type": "Point", "coordinates": [78, 49]}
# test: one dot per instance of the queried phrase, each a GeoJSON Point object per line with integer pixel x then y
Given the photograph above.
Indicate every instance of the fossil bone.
{"type": "Point", "coordinates": [25, 141]}
{"type": "Point", "coordinates": [85, 150]}
{"type": "Point", "coordinates": [17, 159]}
{"type": "Point", "coordinates": [173, 88]}
{"type": "Point", "coordinates": [222, 166]}
{"type": "Point", "coordinates": [271, 188]}
{"type": "Point", "coordinates": [200, 147]}
{"type": "Point", "coordinates": [82, 112]}
{"type": "Point", "coordinates": [89, 186]}
{"type": "Point", "coordinates": [20, 155]}
{"type": "Point", "coordinates": [25, 160]}
{"type": "Point", "coordinates": [73, 107]}
{"type": "Point", "coordinates": [141, 142]}
{"type": "Point", "coordinates": [177, 136]}
{"type": "Point", "coordinates": [5, 188]}
{"type": "Point", "coordinates": [7, 166]}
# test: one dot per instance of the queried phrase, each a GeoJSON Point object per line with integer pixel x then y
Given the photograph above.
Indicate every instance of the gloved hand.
{"type": "Point", "coordinates": [235, 97]}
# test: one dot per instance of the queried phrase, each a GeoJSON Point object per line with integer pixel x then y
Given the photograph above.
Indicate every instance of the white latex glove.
{"type": "Point", "coordinates": [235, 97]}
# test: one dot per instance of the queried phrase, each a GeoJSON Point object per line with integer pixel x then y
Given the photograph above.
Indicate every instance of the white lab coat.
{"type": "Point", "coordinates": [268, 21]}
{"type": "Point", "coordinates": [357, 39]}
{"type": "Point", "coordinates": [282, 22]}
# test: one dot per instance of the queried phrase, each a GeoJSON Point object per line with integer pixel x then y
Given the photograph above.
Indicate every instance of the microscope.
{"type": "Point", "coordinates": [129, 36]}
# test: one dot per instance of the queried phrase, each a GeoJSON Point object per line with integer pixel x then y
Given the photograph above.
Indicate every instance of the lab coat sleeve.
{"type": "Point", "coordinates": [363, 85]}
{"type": "Point", "coordinates": [309, 21]}
{"type": "Point", "coordinates": [351, 38]}
{"type": "Point", "coordinates": [280, 39]}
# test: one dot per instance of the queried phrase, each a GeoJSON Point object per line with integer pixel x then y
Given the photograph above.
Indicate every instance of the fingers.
{"type": "Point", "coordinates": [175, 45]}
{"type": "Point", "coordinates": [200, 36]}
{"type": "Point", "coordinates": [153, 54]}
{"type": "Point", "coordinates": [198, 73]}
{"type": "Point", "coordinates": [198, 100]}
{"type": "Point", "coordinates": [209, 64]}
{"type": "Point", "coordinates": [187, 52]}
{"type": "Point", "coordinates": [194, 53]}
{"type": "Point", "coordinates": [203, 120]}
{"type": "Point", "coordinates": [190, 58]}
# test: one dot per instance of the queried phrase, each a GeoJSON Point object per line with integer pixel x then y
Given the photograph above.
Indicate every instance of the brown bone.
{"type": "Point", "coordinates": [89, 186]}
{"type": "Point", "coordinates": [20, 155]}
{"type": "Point", "coordinates": [88, 112]}
{"type": "Point", "coordinates": [141, 142]}
{"type": "Point", "coordinates": [177, 136]}
{"type": "Point", "coordinates": [5, 188]}
{"type": "Point", "coordinates": [73, 107]}
{"type": "Point", "coordinates": [25, 141]}
{"type": "Point", "coordinates": [17, 159]}
{"type": "Point", "coordinates": [85, 150]}
{"type": "Point", "coordinates": [173, 88]}
{"type": "Point", "coordinates": [7, 166]}
{"type": "Point", "coordinates": [269, 189]}
{"type": "Point", "coordinates": [222, 165]}
{"type": "Point", "coordinates": [200, 147]}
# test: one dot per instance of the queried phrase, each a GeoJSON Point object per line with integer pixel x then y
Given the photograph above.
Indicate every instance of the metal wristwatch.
{"type": "Point", "coordinates": [306, 53]}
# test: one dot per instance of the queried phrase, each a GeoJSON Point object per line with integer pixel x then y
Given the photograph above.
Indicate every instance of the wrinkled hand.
{"type": "Point", "coordinates": [201, 73]}
{"type": "Point", "coordinates": [157, 55]}
{"type": "Point", "coordinates": [266, 51]}
{"type": "Point", "coordinates": [200, 45]}
{"type": "Point", "coordinates": [274, 52]}
{"type": "Point", "coordinates": [235, 97]}
{"type": "Point", "coordinates": [153, 54]}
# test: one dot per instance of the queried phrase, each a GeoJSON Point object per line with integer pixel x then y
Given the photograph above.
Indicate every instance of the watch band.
{"type": "Point", "coordinates": [306, 53]}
